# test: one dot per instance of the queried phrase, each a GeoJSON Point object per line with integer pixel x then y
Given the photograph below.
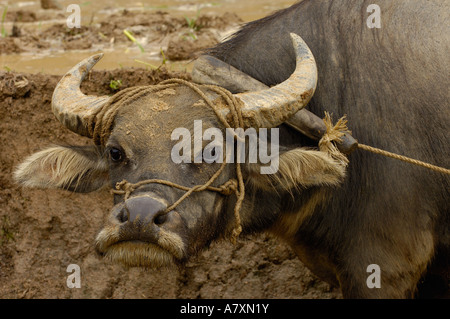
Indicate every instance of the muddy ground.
{"type": "Point", "coordinates": [42, 232]}
{"type": "Point", "coordinates": [181, 37]}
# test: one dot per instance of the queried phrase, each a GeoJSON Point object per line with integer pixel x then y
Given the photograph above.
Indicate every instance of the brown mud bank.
{"type": "Point", "coordinates": [43, 231]}
{"type": "Point", "coordinates": [158, 28]}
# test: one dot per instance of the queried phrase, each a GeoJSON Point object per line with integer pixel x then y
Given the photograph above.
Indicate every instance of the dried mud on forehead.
{"type": "Point", "coordinates": [44, 231]}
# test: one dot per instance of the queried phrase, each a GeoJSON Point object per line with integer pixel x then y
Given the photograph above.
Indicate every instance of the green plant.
{"type": "Point", "coordinates": [163, 56]}
{"type": "Point", "coordinates": [154, 67]}
{"type": "Point", "coordinates": [133, 39]}
{"type": "Point", "coordinates": [193, 25]}
{"type": "Point", "coordinates": [115, 84]}
{"type": "Point", "coordinates": [102, 35]}
{"type": "Point", "coordinates": [2, 28]}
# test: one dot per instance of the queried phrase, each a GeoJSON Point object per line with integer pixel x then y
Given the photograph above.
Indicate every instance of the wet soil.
{"type": "Point", "coordinates": [43, 231]}
{"type": "Point", "coordinates": [180, 37]}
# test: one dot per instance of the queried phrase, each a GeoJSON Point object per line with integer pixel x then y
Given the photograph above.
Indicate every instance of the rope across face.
{"type": "Point", "coordinates": [104, 119]}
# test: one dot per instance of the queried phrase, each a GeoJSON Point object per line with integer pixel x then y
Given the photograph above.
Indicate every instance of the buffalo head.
{"type": "Point", "coordinates": [134, 144]}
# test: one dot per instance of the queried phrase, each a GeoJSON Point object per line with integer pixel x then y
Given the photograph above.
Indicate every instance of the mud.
{"type": "Point", "coordinates": [180, 38]}
{"type": "Point", "coordinates": [43, 231]}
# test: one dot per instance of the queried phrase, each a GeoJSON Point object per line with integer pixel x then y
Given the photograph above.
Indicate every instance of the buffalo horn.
{"type": "Point", "coordinates": [273, 106]}
{"type": "Point", "coordinates": [70, 106]}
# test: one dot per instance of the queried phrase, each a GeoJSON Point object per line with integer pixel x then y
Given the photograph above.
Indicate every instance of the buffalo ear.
{"type": "Point", "coordinates": [76, 168]}
{"type": "Point", "coordinates": [300, 168]}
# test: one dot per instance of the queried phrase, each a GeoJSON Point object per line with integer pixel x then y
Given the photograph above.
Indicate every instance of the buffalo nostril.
{"type": "Point", "coordinates": [124, 215]}
{"type": "Point", "coordinates": [142, 210]}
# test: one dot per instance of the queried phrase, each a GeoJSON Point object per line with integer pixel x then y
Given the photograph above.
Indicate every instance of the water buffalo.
{"type": "Point", "coordinates": [344, 222]}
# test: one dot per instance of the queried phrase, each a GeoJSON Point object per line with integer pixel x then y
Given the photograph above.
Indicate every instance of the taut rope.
{"type": "Point", "coordinates": [335, 132]}
{"type": "Point", "coordinates": [403, 158]}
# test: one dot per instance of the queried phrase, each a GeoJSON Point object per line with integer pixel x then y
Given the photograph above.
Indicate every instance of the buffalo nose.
{"type": "Point", "coordinates": [143, 210]}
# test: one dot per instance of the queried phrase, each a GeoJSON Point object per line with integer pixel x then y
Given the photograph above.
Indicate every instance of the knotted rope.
{"type": "Point", "coordinates": [335, 132]}
{"type": "Point", "coordinates": [334, 135]}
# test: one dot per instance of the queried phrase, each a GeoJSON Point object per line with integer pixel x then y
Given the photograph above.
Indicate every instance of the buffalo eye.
{"type": "Point", "coordinates": [115, 154]}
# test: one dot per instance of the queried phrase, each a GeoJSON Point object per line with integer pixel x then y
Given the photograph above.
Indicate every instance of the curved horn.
{"type": "Point", "coordinates": [271, 107]}
{"type": "Point", "coordinates": [70, 106]}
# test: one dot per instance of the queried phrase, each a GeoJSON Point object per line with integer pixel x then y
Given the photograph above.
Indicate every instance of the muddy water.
{"type": "Point", "coordinates": [51, 62]}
